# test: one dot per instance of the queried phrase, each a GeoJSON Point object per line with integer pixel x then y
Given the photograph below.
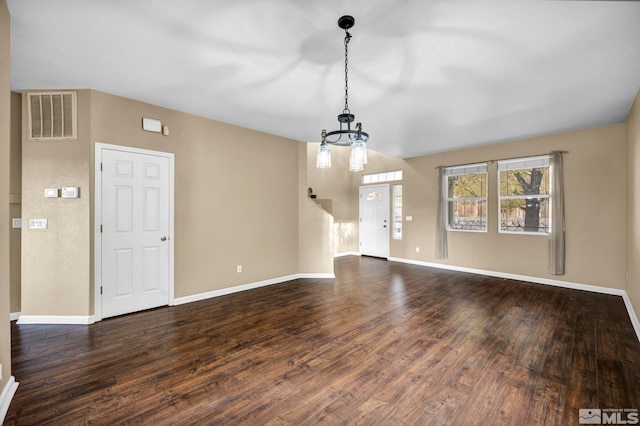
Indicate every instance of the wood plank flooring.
{"type": "Point", "coordinates": [384, 343]}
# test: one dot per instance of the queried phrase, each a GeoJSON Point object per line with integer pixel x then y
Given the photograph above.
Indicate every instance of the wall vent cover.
{"type": "Point", "coordinates": [52, 115]}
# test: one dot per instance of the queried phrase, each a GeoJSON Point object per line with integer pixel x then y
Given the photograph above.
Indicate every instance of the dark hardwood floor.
{"type": "Point", "coordinates": [384, 343]}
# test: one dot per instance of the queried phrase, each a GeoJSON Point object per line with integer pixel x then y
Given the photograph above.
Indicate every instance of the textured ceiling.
{"type": "Point", "coordinates": [425, 76]}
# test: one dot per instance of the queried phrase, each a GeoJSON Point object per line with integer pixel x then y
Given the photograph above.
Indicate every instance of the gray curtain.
{"type": "Point", "coordinates": [442, 251]}
{"type": "Point", "coordinates": [557, 234]}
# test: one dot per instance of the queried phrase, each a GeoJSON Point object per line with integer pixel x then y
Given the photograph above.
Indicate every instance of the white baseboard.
{"type": "Point", "coordinates": [85, 320]}
{"type": "Point", "coordinates": [6, 396]}
{"type": "Point", "coordinates": [56, 319]}
{"type": "Point", "coordinates": [239, 288]}
{"type": "Point", "coordinates": [13, 316]}
{"type": "Point", "coordinates": [319, 275]}
{"type": "Point", "coordinates": [347, 253]}
{"type": "Point", "coordinates": [536, 280]}
{"type": "Point", "coordinates": [632, 314]}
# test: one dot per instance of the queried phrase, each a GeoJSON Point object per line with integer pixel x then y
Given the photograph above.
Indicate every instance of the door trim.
{"type": "Point", "coordinates": [97, 237]}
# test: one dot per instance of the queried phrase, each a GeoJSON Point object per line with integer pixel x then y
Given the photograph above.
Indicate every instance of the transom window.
{"type": "Point", "coordinates": [467, 197]}
{"type": "Point", "coordinates": [524, 195]}
{"type": "Point", "coordinates": [382, 177]}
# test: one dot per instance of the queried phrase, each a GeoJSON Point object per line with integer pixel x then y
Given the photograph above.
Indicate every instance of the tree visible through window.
{"type": "Point", "coordinates": [524, 195]}
{"type": "Point", "coordinates": [467, 197]}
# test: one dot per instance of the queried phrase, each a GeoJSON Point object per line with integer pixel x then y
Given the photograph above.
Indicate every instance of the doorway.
{"type": "Point", "coordinates": [134, 229]}
{"type": "Point", "coordinates": [374, 220]}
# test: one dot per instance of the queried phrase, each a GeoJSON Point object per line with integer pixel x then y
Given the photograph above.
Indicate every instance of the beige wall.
{"type": "Point", "coordinates": [339, 187]}
{"type": "Point", "coordinates": [633, 205]}
{"type": "Point", "coordinates": [595, 174]}
{"type": "Point", "coordinates": [55, 261]}
{"type": "Point", "coordinates": [315, 226]}
{"type": "Point", "coordinates": [237, 201]}
{"type": "Point", "coordinates": [5, 84]}
{"type": "Point", "coordinates": [15, 198]}
{"type": "Point", "coordinates": [595, 184]}
{"type": "Point", "coordinates": [236, 193]}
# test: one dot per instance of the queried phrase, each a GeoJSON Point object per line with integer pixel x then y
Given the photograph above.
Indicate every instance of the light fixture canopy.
{"type": "Point", "coordinates": [345, 135]}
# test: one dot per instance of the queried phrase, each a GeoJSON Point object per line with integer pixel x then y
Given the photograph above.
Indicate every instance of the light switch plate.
{"type": "Point", "coordinates": [16, 222]}
{"type": "Point", "coordinates": [51, 193]}
{"type": "Point", "coordinates": [38, 223]}
{"type": "Point", "coordinates": [70, 192]}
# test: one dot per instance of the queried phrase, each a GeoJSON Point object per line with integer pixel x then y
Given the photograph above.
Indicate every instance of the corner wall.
{"type": "Point", "coordinates": [315, 228]}
{"type": "Point", "coordinates": [7, 383]}
{"type": "Point", "coordinates": [55, 261]}
{"type": "Point", "coordinates": [633, 205]}
{"type": "Point", "coordinates": [15, 197]}
{"type": "Point", "coordinates": [340, 186]}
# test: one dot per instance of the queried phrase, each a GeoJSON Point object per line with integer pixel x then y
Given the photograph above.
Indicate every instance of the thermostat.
{"type": "Point", "coordinates": [70, 192]}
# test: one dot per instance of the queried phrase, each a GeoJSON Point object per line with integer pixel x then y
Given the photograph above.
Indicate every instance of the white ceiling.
{"type": "Point", "coordinates": [425, 76]}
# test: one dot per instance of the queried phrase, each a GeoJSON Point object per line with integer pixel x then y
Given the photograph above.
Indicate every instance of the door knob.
{"type": "Point", "coordinates": [163, 239]}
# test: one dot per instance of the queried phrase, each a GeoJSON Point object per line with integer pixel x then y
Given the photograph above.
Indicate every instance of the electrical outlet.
{"type": "Point", "coordinates": [238, 268]}
{"type": "Point", "coordinates": [417, 249]}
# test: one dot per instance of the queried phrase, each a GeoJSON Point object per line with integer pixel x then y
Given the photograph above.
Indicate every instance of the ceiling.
{"type": "Point", "coordinates": [425, 76]}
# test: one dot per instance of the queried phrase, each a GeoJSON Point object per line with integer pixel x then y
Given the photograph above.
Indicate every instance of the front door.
{"type": "Point", "coordinates": [135, 224]}
{"type": "Point", "coordinates": [374, 220]}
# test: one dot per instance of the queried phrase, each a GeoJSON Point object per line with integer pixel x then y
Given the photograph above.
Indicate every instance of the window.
{"type": "Point", "coordinates": [382, 177]}
{"type": "Point", "coordinates": [396, 233]}
{"type": "Point", "coordinates": [524, 195]}
{"type": "Point", "coordinates": [374, 196]}
{"type": "Point", "coordinates": [467, 197]}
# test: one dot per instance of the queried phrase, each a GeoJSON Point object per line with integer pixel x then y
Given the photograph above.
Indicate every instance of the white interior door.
{"type": "Point", "coordinates": [374, 220]}
{"type": "Point", "coordinates": [135, 224]}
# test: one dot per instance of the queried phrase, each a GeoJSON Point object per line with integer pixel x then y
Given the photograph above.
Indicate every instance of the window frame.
{"type": "Point", "coordinates": [394, 207]}
{"type": "Point", "coordinates": [468, 169]}
{"type": "Point", "coordinates": [533, 161]}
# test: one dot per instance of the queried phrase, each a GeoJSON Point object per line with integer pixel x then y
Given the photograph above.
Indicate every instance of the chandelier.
{"type": "Point", "coordinates": [345, 136]}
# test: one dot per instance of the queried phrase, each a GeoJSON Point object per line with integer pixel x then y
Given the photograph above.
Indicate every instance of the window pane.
{"type": "Point", "coordinates": [467, 186]}
{"type": "Point", "coordinates": [525, 215]}
{"type": "Point", "coordinates": [524, 182]}
{"type": "Point", "coordinates": [397, 212]}
{"type": "Point", "coordinates": [470, 215]}
{"type": "Point", "coordinates": [374, 196]}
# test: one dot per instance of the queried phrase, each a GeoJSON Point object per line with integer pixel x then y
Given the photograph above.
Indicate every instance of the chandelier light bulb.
{"type": "Point", "coordinates": [323, 158]}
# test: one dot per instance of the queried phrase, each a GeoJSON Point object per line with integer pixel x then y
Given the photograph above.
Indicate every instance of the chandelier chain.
{"type": "Point", "coordinates": [347, 38]}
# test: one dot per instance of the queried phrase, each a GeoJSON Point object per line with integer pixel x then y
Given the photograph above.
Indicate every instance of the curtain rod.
{"type": "Point", "coordinates": [501, 159]}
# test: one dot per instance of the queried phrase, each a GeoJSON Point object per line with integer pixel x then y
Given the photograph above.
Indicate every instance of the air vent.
{"type": "Point", "coordinates": [52, 115]}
